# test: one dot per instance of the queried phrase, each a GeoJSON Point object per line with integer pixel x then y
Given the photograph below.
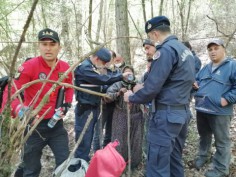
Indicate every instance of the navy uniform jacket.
{"type": "Point", "coordinates": [87, 76]}
{"type": "Point", "coordinates": [171, 76]}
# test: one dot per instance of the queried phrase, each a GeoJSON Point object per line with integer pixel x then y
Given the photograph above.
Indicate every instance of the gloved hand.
{"type": "Point", "coordinates": [21, 111]}
{"type": "Point", "coordinates": [65, 107]}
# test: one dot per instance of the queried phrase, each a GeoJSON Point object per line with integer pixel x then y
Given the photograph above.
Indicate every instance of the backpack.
{"type": "Point", "coordinates": [106, 162]}
{"type": "Point", "coordinates": [3, 83]}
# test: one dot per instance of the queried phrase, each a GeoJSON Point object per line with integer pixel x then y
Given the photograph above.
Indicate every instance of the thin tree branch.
{"type": "Point", "coordinates": [135, 25]}
{"type": "Point", "coordinates": [217, 26]}
{"type": "Point", "coordinates": [230, 38]}
{"type": "Point", "coordinates": [11, 74]}
{"type": "Point", "coordinates": [18, 5]}
{"type": "Point", "coordinates": [144, 10]}
{"type": "Point", "coordinates": [57, 83]}
{"type": "Point", "coordinates": [22, 38]}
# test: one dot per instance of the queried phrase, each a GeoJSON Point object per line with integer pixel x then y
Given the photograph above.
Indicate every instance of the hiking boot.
{"type": "Point", "coordinates": [200, 162]}
{"type": "Point", "coordinates": [214, 173]}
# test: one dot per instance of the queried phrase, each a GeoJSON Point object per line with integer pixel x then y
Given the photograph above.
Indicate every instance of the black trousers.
{"type": "Point", "coordinates": [56, 138]}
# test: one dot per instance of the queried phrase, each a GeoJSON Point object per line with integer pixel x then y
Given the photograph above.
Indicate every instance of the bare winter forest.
{"type": "Point", "coordinates": [85, 26]}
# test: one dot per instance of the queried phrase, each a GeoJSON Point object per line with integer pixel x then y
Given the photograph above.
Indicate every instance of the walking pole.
{"type": "Point", "coordinates": [100, 119]}
{"type": "Point", "coordinates": [128, 136]}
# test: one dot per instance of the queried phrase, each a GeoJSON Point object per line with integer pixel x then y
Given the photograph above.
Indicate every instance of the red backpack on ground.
{"type": "Point", "coordinates": [106, 162]}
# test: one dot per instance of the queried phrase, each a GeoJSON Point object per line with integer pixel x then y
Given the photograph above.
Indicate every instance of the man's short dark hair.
{"type": "Point", "coordinates": [163, 28]}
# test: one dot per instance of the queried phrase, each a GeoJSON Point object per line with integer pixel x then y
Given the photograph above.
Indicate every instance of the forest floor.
{"type": "Point", "coordinates": [189, 152]}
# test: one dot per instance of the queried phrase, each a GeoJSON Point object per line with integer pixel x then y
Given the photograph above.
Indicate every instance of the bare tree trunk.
{"type": "Point", "coordinates": [144, 10]}
{"type": "Point", "coordinates": [152, 14]}
{"type": "Point", "coordinates": [90, 22]}
{"type": "Point", "coordinates": [43, 15]}
{"type": "Point", "coordinates": [108, 26]}
{"type": "Point", "coordinates": [122, 29]}
{"type": "Point", "coordinates": [161, 7]}
{"type": "Point", "coordinates": [65, 29]}
{"type": "Point", "coordinates": [34, 32]}
{"type": "Point", "coordinates": [99, 21]}
{"type": "Point", "coordinates": [173, 16]}
{"type": "Point", "coordinates": [106, 17]}
{"type": "Point", "coordinates": [77, 5]}
{"type": "Point", "coordinates": [181, 13]}
{"type": "Point", "coordinates": [184, 22]}
{"type": "Point", "coordinates": [188, 16]}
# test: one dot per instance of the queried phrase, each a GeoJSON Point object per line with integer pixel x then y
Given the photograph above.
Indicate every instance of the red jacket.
{"type": "Point", "coordinates": [34, 69]}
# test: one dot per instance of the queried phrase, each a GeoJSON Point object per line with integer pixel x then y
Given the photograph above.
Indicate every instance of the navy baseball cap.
{"type": "Point", "coordinates": [216, 41]}
{"type": "Point", "coordinates": [48, 34]}
{"type": "Point", "coordinates": [104, 54]}
{"type": "Point", "coordinates": [148, 42]}
{"type": "Point", "coordinates": [156, 22]}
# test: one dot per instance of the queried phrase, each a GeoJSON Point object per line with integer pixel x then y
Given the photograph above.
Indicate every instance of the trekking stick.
{"type": "Point", "coordinates": [100, 124]}
{"type": "Point", "coordinates": [128, 136]}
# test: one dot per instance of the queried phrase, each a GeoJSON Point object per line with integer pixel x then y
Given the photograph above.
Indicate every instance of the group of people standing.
{"type": "Point", "coordinates": [93, 74]}
{"type": "Point", "coordinates": [172, 78]}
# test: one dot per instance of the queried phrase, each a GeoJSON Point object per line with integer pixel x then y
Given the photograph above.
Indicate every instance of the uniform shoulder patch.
{"type": "Point", "coordinates": [20, 69]}
{"type": "Point", "coordinates": [157, 55]}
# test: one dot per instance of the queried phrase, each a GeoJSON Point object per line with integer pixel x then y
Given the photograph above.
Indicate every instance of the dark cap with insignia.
{"type": "Point", "coordinates": [103, 54]}
{"type": "Point", "coordinates": [48, 34]}
{"type": "Point", "coordinates": [156, 22]}
{"type": "Point", "coordinates": [148, 42]}
{"type": "Point", "coordinates": [216, 41]}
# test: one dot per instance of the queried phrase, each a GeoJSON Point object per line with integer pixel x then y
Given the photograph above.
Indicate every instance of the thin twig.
{"type": "Point", "coordinates": [135, 26]}
{"type": "Point", "coordinates": [128, 140]}
{"type": "Point", "coordinates": [61, 84]}
{"type": "Point", "coordinates": [217, 26]}
{"type": "Point", "coordinates": [22, 38]}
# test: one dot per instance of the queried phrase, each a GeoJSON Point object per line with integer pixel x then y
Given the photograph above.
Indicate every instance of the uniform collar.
{"type": "Point", "coordinates": [171, 37]}
{"type": "Point", "coordinates": [45, 64]}
{"type": "Point", "coordinates": [89, 60]}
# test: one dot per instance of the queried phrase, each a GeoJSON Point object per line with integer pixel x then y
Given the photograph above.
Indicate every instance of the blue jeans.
{"type": "Point", "coordinates": [56, 138]}
{"type": "Point", "coordinates": [218, 126]}
{"type": "Point", "coordinates": [82, 113]}
{"type": "Point", "coordinates": [166, 137]}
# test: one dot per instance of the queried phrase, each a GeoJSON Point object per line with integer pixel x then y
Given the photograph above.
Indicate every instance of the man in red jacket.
{"type": "Point", "coordinates": [45, 66]}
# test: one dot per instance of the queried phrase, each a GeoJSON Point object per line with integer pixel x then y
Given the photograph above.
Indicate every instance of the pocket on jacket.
{"type": "Point", "coordinates": [216, 100]}
{"type": "Point", "coordinates": [206, 104]}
